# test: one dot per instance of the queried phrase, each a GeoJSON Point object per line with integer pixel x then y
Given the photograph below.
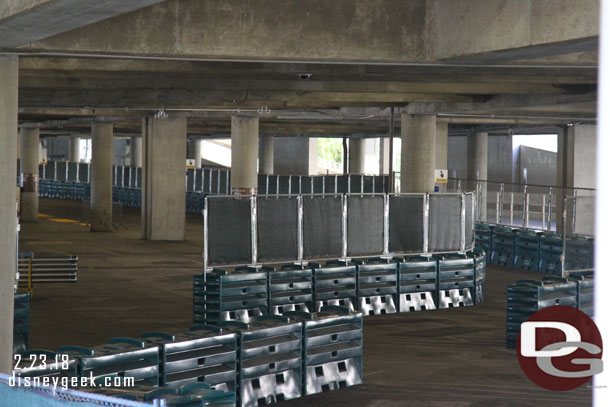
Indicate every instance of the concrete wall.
{"type": "Point", "coordinates": [295, 156]}
{"type": "Point", "coordinates": [457, 146]}
{"type": "Point", "coordinates": [584, 156]}
{"type": "Point", "coordinates": [500, 159]}
{"type": "Point", "coordinates": [541, 166]}
{"type": "Point", "coordinates": [121, 151]}
{"type": "Point", "coordinates": [58, 149]}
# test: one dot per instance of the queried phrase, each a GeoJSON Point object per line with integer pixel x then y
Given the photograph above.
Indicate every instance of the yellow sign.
{"type": "Point", "coordinates": [440, 176]}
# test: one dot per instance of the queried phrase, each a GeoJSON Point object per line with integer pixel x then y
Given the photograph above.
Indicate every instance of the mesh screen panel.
{"type": "Point", "coordinates": [365, 225]}
{"type": "Point", "coordinates": [277, 228]}
{"type": "Point", "coordinates": [469, 225]}
{"type": "Point", "coordinates": [322, 235]}
{"type": "Point", "coordinates": [72, 171]}
{"type": "Point", "coordinates": [406, 220]}
{"type": "Point", "coordinates": [445, 223]}
{"type": "Point", "coordinates": [229, 231]}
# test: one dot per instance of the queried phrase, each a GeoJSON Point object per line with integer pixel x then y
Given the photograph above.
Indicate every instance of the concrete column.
{"type": "Point", "coordinates": [265, 155]}
{"type": "Point", "coordinates": [135, 151]}
{"type": "Point", "coordinates": [163, 193]}
{"type": "Point", "coordinates": [357, 155]}
{"type": "Point", "coordinates": [102, 157]}
{"type": "Point", "coordinates": [295, 156]}
{"type": "Point", "coordinates": [384, 156]}
{"type": "Point", "coordinates": [198, 153]}
{"type": "Point", "coordinates": [244, 154]}
{"type": "Point", "coordinates": [476, 165]}
{"type": "Point", "coordinates": [31, 155]}
{"type": "Point", "coordinates": [418, 135]}
{"type": "Point", "coordinates": [9, 75]}
{"type": "Point", "coordinates": [442, 141]}
{"type": "Point", "coordinates": [75, 149]}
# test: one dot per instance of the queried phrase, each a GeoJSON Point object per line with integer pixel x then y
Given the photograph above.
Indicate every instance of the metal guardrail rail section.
{"type": "Point", "coordinates": [47, 270]}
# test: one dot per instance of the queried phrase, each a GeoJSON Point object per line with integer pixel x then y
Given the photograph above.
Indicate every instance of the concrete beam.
{"type": "Point", "coordinates": [22, 22]}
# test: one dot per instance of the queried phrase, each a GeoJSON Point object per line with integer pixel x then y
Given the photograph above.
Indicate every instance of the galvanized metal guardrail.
{"type": "Point", "coordinates": [32, 270]}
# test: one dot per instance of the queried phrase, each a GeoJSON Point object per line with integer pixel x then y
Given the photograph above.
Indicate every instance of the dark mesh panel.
{"type": "Point", "coordinates": [306, 185]}
{"type": "Point", "coordinates": [126, 175]}
{"type": "Point", "coordinates": [294, 185]}
{"type": "Point", "coordinates": [198, 179]}
{"type": "Point", "coordinates": [355, 183]}
{"type": "Point", "coordinates": [61, 170]}
{"type": "Point", "coordinates": [50, 170]}
{"type": "Point", "coordinates": [406, 220]}
{"type": "Point", "coordinates": [72, 171]}
{"type": "Point", "coordinates": [445, 223]}
{"type": "Point", "coordinates": [283, 188]}
{"type": "Point", "coordinates": [207, 182]}
{"type": "Point", "coordinates": [329, 184]}
{"type": "Point", "coordinates": [364, 225]}
{"type": "Point", "coordinates": [139, 178]}
{"type": "Point", "coordinates": [368, 183]}
{"type": "Point", "coordinates": [318, 183]}
{"type": "Point", "coordinates": [322, 227]}
{"type": "Point", "coordinates": [342, 187]}
{"type": "Point", "coordinates": [229, 231]}
{"type": "Point", "coordinates": [118, 176]}
{"type": "Point", "coordinates": [468, 224]}
{"type": "Point", "coordinates": [277, 228]}
{"type": "Point", "coordinates": [272, 184]}
{"type": "Point", "coordinates": [190, 177]}
{"type": "Point", "coordinates": [83, 172]}
{"type": "Point", "coordinates": [215, 182]}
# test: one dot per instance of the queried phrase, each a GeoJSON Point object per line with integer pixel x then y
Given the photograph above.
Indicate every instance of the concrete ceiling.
{"type": "Point", "coordinates": [320, 70]}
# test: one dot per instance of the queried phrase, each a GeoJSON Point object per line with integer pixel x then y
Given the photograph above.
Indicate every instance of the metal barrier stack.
{"type": "Point", "coordinates": [483, 238]}
{"type": "Point", "coordinates": [417, 284]}
{"type": "Point", "coordinates": [221, 296]}
{"type": "Point", "coordinates": [190, 395]}
{"type": "Point", "coordinates": [578, 253]}
{"type": "Point", "coordinates": [377, 286]}
{"type": "Point", "coordinates": [34, 269]}
{"type": "Point", "coordinates": [527, 247]}
{"type": "Point", "coordinates": [456, 281]}
{"type": "Point", "coordinates": [334, 283]}
{"type": "Point", "coordinates": [205, 354]}
{"type": "Point", "coordinates": [551, 249]}
{"type": "Point", "coordinates": [525, 297]}
{"type": "Point", "coordinates": [584, 281]}
{"type": "Point", "coordinates": [480, 271]}
{"type": "Point", "coordinates": [290, 289]}
{"type": "Point", "coordinates": [270, 360]}
{"type": "Point", "coordinates": [332, 351]}
{"type": "Point", "coordinates": [21, 322]}
{"type": "Point", "coordinates": [502, 246]}
{"type": "Point", "coordinates": [123, 357]}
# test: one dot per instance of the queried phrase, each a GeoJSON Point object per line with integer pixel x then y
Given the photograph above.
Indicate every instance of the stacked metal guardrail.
{"type": "Point", "coordinates": [34, 269]}
{"type": "Point", "coordinates": [21, 322]}
{"type": "Point", "coordinates": [526, 297]}
{"type": "Point", "coordinates": [269, 360]}
{"type": "Point", "coordinates": [190, 395]}
{"type": "Point", "coordinates": [124, 357]}
{"type": "Point", "coordinates": [527, 249]}
{"type": "Point", "coordinates": [335, 284]}
{"type": "Point", "coordinates": [205, 354]}
{"type": "Point", "coordinates": [332, 351]}
{"type": "Point", "coordinates": [483, 238]}
{"type": "Point", "coordinates": [584, 281]}
{"type": "Point", "coordinates": [377, 286]}
{"type": "Point", "coordinates": [538, 251]}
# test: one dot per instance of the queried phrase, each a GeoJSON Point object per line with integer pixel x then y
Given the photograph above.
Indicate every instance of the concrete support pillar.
{"type": "Point", "coordinates": [442, 141]}
{"type": "Point", "coordinates": [9, 75]}
{"type": "Point", "coordinates": [163, 193]}
{"type": "Point", "coordinates": [384, 156]}
{"type": "Point", "coordinates": [135, 151]}
{"type": "Point", "coordinates": [476, 167]}
{"type": "Point", "coordinates": [265, 155]}
{"type": "Point", "coordinates": [75, 149]}
{"type": "Point", "coordinates": [31, 155]}
{"type": "Point", "coordinates": [244, 154]}
{"type": "Point", "coordinates": [102, 157]}
{"type": "Point", "coordinates": [357, 155]}
{"type": "Point", "coordinates": [295, 156]}
{"type": "Point", "coordinates": [198, 153]}
{"type": "Point", "coordinates": [418, 135]}
{"type": "Point", "coordinates": [576, 145]}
